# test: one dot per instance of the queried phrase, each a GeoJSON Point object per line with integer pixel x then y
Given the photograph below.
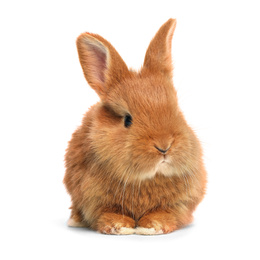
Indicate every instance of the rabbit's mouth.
{"type": "Point", "coordinates": [163, 162]}
{"type": "Point", "coordinates": [163, 166]}
{"type": "Point", "coordinates": [165, 159]}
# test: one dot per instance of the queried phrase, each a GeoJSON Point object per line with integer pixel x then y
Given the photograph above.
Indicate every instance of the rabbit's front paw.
{"type": "Point", "coordinates": [115, 224]}
{"type": "Point", "coordinates": [155, 223]}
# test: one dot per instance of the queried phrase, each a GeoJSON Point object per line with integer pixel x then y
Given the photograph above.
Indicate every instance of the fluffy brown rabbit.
{"type": "Point", "coordinates": [134, 165]}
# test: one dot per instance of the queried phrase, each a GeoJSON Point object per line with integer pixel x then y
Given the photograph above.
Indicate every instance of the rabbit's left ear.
{"type": "Point", "coordinates": [158, 55]}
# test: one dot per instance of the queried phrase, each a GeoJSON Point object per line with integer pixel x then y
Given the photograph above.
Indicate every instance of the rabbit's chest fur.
{"type": "Point", "coordinates": [139, 197]}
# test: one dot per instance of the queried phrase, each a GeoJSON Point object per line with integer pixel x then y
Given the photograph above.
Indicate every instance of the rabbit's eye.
{"type": "Point", "coordinates": [128, 121]}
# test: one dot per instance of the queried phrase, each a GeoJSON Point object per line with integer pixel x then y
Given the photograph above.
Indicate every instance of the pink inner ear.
{"type": "Point", "coordinates": [98, 62]}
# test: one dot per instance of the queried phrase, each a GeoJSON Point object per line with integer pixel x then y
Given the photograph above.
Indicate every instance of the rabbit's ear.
{"type": "Point", "coordinates": [102, 65]}
{"type": "Point", "coordinates": [158, 55]}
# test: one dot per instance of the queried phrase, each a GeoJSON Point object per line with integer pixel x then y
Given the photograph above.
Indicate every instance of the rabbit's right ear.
{"type": "Point", "coordinates": [102, 65]}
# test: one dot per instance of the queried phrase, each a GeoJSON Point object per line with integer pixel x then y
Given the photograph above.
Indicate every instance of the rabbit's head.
{"type": "Point", "coordinates": [137, 129]}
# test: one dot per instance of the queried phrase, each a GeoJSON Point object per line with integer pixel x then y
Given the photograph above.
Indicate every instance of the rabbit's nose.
{"type": "Point", "coordinates": [162, 150]}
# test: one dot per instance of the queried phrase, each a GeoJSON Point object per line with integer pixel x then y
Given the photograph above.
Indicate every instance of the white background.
{"type": "Point", "coordinates": [43, 95]}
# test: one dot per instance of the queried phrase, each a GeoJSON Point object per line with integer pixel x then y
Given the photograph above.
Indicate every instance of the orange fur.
{"type": "Point", "coordinates": [117, 178]}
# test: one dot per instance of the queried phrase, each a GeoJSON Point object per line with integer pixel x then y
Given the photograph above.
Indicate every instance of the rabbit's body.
{"type": "Point", "coordinates": [134, 165]}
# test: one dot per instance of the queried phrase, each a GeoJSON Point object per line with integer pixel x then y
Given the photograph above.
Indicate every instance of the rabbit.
{"type": "Point", "coordinates": [134, 166]}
